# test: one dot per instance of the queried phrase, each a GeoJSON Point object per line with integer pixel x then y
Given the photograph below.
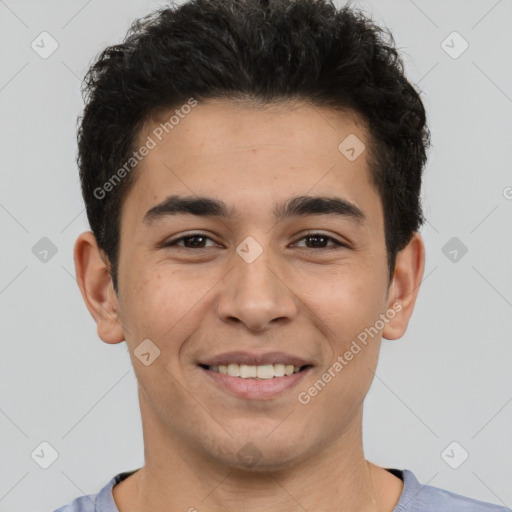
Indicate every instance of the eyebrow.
{"type": "Point", "coordinates": [297, 206]}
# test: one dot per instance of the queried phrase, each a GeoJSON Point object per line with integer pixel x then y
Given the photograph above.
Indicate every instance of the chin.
{"type": "Point", "coordinates": [260, 453]}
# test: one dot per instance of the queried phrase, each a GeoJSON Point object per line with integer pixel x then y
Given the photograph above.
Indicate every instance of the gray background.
{"type": "Point", "coordinates": [448, 379]}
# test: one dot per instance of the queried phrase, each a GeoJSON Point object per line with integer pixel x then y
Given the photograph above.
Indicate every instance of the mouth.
{"type": "Point", "coordinates": [260, 382]}
{"type": "Point", "coordinates": [260, 372]}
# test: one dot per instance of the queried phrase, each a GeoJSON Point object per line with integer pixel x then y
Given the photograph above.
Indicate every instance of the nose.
{"type": "Point", "coordinates": [258, 293]}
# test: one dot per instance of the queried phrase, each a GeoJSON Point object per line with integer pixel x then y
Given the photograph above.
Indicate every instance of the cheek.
{"type": "Point", "coordinates": [146, 302]}
{"type": "Point", "coordinates": [349, 308]}
{"type": "Point", "coordinates": [163, 306]}
{"type": "Point", "coordinates": [347, 300]}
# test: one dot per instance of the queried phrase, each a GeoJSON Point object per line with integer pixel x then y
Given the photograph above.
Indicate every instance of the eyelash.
{"type": "Point", "coordinates": [337, 245]}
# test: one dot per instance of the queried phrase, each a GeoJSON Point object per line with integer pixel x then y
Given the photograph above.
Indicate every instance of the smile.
{"type": "Point", "coordinates": [255, 382]}
{"type": "Point", "coordinates": [265, 371]}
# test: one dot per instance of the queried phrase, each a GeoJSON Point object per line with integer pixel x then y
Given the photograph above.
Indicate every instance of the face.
{"type": "Point", "coordinates": [261, 273]}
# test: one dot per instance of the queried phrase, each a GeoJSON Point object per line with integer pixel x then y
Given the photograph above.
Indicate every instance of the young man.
{"type": "Point", "coordinates": [251, 171]}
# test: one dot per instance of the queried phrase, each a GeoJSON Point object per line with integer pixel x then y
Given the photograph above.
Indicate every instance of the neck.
{"type": "Point", "coordinates": [178, 476]}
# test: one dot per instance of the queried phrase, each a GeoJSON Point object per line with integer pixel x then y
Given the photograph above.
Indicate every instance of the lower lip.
{"type": "Point", "coordinates": [256, 388]}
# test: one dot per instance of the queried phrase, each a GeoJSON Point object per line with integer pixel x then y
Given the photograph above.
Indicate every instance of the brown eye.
{"type": "Point", "coordinates": [319, 241]}
{"type": "Point", "coordinates": [193, 241]}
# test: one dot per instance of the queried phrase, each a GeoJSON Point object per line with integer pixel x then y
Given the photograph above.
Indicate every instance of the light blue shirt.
{"type": "Point", "coordinates": [415, 497]}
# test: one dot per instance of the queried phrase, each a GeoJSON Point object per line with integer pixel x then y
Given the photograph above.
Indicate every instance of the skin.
{"type": "Point", "coordinates": [194, 304]}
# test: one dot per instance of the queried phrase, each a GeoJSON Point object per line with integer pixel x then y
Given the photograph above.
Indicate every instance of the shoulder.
{"type": "Point", "coordinates": [102, 501]}
{"type": "Point", "coordinates": [81, 504]}
{"type": "Point", "coordinates": [425, 498]}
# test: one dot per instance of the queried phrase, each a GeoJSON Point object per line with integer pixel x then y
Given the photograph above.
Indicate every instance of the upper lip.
{"type": "Point", "coordinates": [252, 359]}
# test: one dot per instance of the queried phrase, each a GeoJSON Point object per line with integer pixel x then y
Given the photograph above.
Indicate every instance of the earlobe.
{"type": "Point", "coordinates": [409, 268]}
{"type": "Point", "coordinates": [95, 283]}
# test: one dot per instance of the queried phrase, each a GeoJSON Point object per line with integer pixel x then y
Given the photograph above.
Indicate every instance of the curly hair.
{"type": "Point", "coordinates": [265, 51]}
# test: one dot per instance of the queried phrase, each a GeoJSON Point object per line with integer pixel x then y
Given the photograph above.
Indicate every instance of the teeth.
{"type": "Point", "coordinates": [279, 370]}
{"type": "Point", "coordinates": [265, 371]}
{"type": "Point", "coordinates": [233, 370]}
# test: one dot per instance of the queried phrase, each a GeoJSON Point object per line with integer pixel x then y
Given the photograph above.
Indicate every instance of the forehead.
{"type": "Point", "coordinates": [217, 126]}
{"type": "Point", "coordinates": [251, 156]}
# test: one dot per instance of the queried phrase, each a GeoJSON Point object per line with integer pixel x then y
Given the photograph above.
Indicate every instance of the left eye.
{"type": "Point", "coordinates": [197, 240]}
{"type": "Point", "coordinates": [322, 238]}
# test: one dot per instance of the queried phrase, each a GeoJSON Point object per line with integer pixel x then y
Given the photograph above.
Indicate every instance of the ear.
{"type": "Point", "coordinates": [403, 290]}
{"type": "Point", "coordinates": [93, 277]}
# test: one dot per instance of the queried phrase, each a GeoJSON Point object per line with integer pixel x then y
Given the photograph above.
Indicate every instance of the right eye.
{"type": "Point", "coordinates": [197, 241]}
